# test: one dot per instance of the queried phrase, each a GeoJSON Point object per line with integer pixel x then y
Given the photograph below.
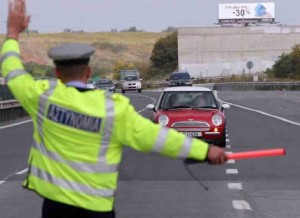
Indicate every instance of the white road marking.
{"type": "Point", "coordinates": [235, 186]}
{"type": "Point", "coordinates": [228, 146]}
{"type": "Point", "coordinates": [15, 124]}
{"type": "Point", "coordinates": [145, 96]}
{"type": "Point", "coordinates": [228, 152]}
{"type": "Point", "coordinates": [230, 162]}
{"type": "Point", "coordinates": [231, 171]}
{"type": "Point", "coordinates": [1, 182]}
{"type": "Point", "coordinates": [22, 171]}
{"type": "Point", "coordinates": [261, 112]}
{"type": "Point", "coordinates": [227, 140]}
{"type": "Point", "coordinates": [227, 135]}
{"type": "Point", "coordinates": [241, 205]}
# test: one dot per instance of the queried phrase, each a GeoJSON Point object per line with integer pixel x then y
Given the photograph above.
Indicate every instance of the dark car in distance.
{"type": "Point", "coordinates": [105, 84]}
{"type": "Point", "coordinates": [179, 79]}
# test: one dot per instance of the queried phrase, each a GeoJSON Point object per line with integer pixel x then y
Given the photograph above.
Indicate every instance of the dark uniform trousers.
{"type": "Point", "coordinates": [52, 209]}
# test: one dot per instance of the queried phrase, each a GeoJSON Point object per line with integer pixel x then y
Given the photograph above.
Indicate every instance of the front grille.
{"type": "Point", "coordinates": [190, 124]}
{"type": "Point", "coordinates": [192, 129]}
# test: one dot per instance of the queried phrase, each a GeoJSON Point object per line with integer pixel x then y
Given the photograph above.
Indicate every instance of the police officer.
{"type": "Point", "coordinates": [79, 133]}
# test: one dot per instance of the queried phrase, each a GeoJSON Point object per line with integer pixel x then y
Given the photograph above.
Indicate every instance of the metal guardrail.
{"type": "Point", "coordinates": [237, 86]}
{"type": "Point", "coordinates": [257, 86]}
{"type": "Point", "coordinates": [11, 110]}
{"type": "Point", "coordinates": [9, 104]}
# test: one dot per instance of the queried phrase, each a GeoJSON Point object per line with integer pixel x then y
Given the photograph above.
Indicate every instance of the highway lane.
{"type": "Point", "coordinates": [155, 186]}
{"type": "Point", "coordinates": [270, 185]}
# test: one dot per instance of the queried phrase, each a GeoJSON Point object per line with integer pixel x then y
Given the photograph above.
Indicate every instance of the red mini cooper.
{"type": "Point", "coordinates": [193, 111]}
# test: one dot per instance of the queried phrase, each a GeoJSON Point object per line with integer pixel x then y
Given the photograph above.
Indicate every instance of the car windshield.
{"type": "Point", "coordinates": [104, 82]}
{"type": "Point", "coordinates": [177, 76]}
{"type": "Point", "coordinates": [131, 78]}
{"type": "Point", "coordinates": [188, 99]}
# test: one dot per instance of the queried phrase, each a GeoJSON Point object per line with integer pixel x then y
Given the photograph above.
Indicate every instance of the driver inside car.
{"type": "Point", "coordinates": [200, 101]}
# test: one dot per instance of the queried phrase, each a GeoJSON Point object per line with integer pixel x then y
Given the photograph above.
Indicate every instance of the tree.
{"type": "Point", "coordinates": [287, 66]}
{"type": "Point", "coordinates": [164, 56]}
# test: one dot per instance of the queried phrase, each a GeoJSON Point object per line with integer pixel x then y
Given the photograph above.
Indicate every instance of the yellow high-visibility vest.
{"type": "Point", "coordinates": [79, 137]}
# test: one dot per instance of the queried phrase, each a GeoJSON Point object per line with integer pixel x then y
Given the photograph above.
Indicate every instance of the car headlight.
{"type": "Point", "coordinates": [163, 120]}
{"type": "Point", "coordinates": [217, 120]}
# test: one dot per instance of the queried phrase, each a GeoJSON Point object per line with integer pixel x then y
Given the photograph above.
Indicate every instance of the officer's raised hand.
{"type": "Point", "coordinates": [18, 19]}
{"type": "Point", "coordinates": [216, 155]}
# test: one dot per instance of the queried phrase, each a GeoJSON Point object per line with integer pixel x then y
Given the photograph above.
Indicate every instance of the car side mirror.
{"type": "Point", "coordinates": [151, 107]}
{"type": "Point", "coordinates": [225, 106]}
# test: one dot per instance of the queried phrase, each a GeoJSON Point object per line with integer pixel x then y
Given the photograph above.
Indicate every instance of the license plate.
{"type": "Point", "coordinates": [193, 134]}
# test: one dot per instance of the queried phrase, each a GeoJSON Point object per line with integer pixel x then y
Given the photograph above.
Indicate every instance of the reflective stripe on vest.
{"type": "Point", "coordinates": [161, 140]}
{"type": "Point", "coordinates": [12, 74]}
{"type": "Point", "coordinates": [186, 147]}
{"type": "Point", "coordinates": [9, 54]}
{"type": "Point", "coordinates": [109, 122]}
{"type": "Point", "coordinates": [71, 185]}
{"type": "Point", "coordinates": [101, 166]}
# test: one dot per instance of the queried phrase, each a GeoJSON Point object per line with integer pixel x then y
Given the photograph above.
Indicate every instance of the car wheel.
{"type": "Point", "coordinates": [139, 90]}
{"type": "Point", "coordinates": [123, 91]}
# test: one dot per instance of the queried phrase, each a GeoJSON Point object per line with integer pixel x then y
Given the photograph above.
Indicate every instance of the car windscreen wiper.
{"type": "Point", "coordinates": [177, 107]}
{"type": "Point", "coordinates": [205, 107]}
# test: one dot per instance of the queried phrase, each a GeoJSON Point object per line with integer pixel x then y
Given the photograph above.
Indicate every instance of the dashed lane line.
{"type": "Point", "coordinates": [241, 205]}
{"type": "Point", "coordinates": [232, 171]}
{"type": "Point", "coordinates": [1, 182]}
{"type": "Point", "coordinates": [235, 186]}
{"type": "Point", "coordinates": [230, 162]}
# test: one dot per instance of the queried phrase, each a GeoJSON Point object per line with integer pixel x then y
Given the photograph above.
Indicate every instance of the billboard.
{"type": "Point", "coordinates": [247, 13]}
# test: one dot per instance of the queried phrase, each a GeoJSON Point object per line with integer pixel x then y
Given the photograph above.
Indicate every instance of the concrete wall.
{"type": "Point", "coordinates": [223, 51]}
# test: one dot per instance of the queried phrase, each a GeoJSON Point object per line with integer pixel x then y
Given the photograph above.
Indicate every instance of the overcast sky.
{"type": "Point", "coordinates": [148, 15]}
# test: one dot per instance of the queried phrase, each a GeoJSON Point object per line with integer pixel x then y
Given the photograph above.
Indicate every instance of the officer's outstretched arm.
{"type": "Point", "coordinates": [19, 81]}
{"type": "Point", "coordinates": [141, 134]}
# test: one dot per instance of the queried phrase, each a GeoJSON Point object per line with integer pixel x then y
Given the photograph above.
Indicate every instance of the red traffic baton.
{"type": "Point", "coordinates": [256, 154]}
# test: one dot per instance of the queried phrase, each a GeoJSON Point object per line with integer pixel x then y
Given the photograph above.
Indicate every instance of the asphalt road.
{"type": "Point", "coordinates": [159, 187]}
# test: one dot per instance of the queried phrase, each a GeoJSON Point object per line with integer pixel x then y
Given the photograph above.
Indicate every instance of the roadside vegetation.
{"type": "Point", "coordinates": [287, 66]}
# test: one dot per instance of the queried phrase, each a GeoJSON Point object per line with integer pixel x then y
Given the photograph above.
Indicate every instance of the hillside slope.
{"type": "Point", "coordinates": [129, 46]}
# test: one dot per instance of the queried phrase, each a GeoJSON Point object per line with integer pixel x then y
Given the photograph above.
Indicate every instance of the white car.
{"type": "Point", "coordinates": [131, 83]}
